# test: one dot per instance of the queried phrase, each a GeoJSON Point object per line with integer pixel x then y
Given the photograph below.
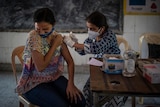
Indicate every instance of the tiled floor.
{"type": "Point", "coordinates": [9, 99]}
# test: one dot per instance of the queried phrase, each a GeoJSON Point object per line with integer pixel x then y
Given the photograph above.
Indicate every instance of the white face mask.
{"type": "Point", "coordinates": [92, 34]}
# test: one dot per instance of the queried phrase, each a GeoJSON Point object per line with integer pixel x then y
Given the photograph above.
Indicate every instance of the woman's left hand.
{"type": "Point", "coordinates": [73, 92]}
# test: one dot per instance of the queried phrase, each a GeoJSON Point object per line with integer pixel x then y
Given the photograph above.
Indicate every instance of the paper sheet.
{"type": "Point", "coordinates": [95, 62]}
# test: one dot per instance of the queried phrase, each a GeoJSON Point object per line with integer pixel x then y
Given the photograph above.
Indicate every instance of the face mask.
{"type": "Point", "coordinates": [46, 34]}
{"type": "Point", "coordinates": [92, 34]}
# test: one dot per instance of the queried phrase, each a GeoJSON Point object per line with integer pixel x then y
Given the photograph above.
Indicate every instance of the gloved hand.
{"type": "Point", "coordinates": [68, 41]}
{"type": "Point", "coordinates": [73, 37]}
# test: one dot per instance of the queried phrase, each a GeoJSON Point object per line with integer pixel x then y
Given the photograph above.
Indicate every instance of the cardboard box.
{"type": "Point", "coordinates": [152, 73]}
{"type": "Point", "coordinates": [113, 64]}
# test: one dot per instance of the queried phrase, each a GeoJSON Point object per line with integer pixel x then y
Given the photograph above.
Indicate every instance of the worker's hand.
{"type": "Point", "coordinates": [73, 37]}
{"type": "Point", "coordinates": [68, 41]}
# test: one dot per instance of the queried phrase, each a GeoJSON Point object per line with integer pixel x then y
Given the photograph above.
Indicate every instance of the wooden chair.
{"type": "Point", "coordinates": [18, 51]}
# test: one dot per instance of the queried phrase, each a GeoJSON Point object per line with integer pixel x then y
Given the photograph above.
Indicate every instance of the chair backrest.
{"type": "Point", "coordinates": [18, 51]}
{"type": "Point", "coordinates": [123, 41]}
{"type": "Point", "coordinates": [149, 45]}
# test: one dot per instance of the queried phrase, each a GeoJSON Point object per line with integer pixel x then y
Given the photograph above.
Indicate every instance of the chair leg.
{"type": "Point", "coordinates": [133, 102]}
{"type": "Point", "coordinates": [20, 104]}
{"type": "Point", "coordinates": [140, 101]}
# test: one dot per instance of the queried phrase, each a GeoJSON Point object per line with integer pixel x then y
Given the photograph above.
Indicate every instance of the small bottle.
{"type": "Point", "coordinates": [129, 59]}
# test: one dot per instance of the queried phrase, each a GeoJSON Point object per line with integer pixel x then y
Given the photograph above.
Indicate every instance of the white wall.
{"type": "Point", "coordinates": [134, 27]}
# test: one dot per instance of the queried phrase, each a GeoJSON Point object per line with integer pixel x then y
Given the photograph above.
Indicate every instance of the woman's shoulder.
{"type": "Point", "coordinates": [56, 33]}
{"type": "Point", "coordinates": [109, 33]}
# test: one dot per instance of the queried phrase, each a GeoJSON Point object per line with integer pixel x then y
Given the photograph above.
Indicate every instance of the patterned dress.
{"type": "Point", "coordinates": [106, 45]}
{"type": "Point", "coordinates": [30, 77]}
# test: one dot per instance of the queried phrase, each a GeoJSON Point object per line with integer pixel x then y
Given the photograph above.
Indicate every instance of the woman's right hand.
{"type": "Point", "coordinates": [57, 40]}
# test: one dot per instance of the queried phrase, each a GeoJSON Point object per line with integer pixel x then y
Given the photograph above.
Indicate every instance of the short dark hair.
{"type": "Point", "coordinates": [44, 14]}
{"type": "Point", "coordinates": [97, 19]}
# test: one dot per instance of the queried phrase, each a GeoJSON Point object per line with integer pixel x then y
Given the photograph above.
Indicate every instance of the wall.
{"type": "Point", "coordinates": [17, 15]}
{"type": "Point", "coordinates": [134, 26]}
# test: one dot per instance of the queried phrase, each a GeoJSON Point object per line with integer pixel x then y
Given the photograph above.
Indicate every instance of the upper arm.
{"type": "Point", "coordinates": [37, 59]}
{"type": "Point", "coordinates": [66, 54]}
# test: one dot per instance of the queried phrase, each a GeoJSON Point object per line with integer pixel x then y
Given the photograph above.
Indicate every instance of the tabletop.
{"type": "Point", "coordinates": [117, 84]}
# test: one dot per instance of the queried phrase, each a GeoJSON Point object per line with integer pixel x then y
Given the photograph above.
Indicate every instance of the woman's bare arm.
{"type": "Point", "coordinates": [79, 46]}
{"type": "Point", "coordinates": [41, 61]}
{"type": "Point", "coordinates": [73, 92]}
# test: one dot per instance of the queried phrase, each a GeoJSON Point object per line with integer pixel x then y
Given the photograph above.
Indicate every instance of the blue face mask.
{"type": "Point", "coordinates": [46, 34]}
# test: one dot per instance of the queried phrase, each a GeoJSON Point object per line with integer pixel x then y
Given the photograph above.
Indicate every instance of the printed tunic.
{"type": "Point", "coordinates": [106, 45]}
{"type": "Point", "coordinates": [30, 77]}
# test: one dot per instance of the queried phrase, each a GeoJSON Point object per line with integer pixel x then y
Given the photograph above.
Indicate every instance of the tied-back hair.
{"type": "Point", "coordinates": [44, 14]}
{"type": "Point", "coordinates": [97, 19]}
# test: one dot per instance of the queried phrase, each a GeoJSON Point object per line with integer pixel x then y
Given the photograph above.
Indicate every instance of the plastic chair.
{"type": "Point", "coordinates": [18, 51]}
{"type": "Point", "coordinates": [151, 38]}
{"type": "Point", "coordinates": [122, 41]}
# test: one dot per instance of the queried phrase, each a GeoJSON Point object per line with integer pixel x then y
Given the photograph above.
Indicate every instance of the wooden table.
{"type": "Point", "coordinates": [118, 85]}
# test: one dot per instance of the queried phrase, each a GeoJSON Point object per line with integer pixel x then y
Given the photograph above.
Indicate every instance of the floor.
{"type": "Point", "coordinates": [8, 98]}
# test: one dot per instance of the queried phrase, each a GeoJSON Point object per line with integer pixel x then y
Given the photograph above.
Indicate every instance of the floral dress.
{"type": "Point", "coordinates": [30, 77]}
